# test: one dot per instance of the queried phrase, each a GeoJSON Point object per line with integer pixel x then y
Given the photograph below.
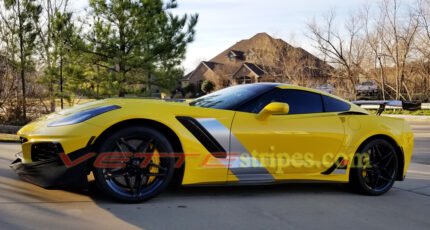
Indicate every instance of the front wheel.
{"type": "Point", "coordinates": [147, 164]}
{"type": "Point", "coordinates": [374, 168]}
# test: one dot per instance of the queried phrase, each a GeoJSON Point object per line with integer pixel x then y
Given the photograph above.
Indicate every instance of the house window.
{"type": "Point", "coordinates": [244, 80]}
{"type": "Point", "coordinates": [236, 56]}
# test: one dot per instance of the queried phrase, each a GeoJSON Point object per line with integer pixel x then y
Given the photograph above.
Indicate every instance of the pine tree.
{"type": "Point", "coordinates": [134, 39]}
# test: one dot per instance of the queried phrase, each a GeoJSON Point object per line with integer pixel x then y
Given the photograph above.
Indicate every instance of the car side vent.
{"type": "Point", "coordinates": [205, 138]}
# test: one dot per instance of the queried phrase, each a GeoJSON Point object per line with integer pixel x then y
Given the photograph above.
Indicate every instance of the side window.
{"type": "Point", "coordinates": [334, 105]}
{"type": "Point", "coordinates": [300, 102]}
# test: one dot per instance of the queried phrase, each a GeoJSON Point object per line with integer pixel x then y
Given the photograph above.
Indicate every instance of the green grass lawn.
{"type": "Point", "coordinates": [404, 112]}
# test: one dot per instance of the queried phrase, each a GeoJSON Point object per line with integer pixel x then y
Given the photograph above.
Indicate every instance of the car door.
{"type": "Point", "coordinates": [306, 140]}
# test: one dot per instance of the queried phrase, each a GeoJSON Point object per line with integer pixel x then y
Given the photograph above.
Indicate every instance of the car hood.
{"type": "Point", "coordinates": [122, 102]}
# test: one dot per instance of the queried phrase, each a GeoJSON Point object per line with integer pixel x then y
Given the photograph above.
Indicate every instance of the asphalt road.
{"type": "Point", "coordinates": [289, 206]}
{"type": "Point", "coordinates": [422, 142]}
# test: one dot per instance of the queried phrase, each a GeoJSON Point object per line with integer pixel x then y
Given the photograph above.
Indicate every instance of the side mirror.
{"type": "Point", "coordinates": [274, 108]}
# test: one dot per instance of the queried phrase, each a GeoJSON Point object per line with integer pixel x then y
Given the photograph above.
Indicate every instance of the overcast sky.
{"type": "Point", "coordinates": [224, 22]}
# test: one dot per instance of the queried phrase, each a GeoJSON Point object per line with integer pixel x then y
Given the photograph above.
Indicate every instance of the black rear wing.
{"type": "Point", "coordinates": [406, 105]}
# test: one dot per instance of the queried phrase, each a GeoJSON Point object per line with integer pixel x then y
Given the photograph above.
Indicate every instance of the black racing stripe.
{"type": "Point", "coordinates": [90, 141]}
{"type": "Point", "coordinates": [207, 140]}
{"type": "Point", "coordinates": [335, 166]}
{"type": "Point", "coordinates": [352, 113]}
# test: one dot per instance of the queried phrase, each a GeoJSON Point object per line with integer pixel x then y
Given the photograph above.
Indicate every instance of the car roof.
{"type": "Point", "coordinates": [287, 86]}
{"type": "Point", "coordinates": [296, 87]}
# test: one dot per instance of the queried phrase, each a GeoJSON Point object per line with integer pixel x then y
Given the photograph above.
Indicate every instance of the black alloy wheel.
{"type": "Point", "coordinates": [142, 168]}
{"type": "Point", "coordinates": [374, 168]}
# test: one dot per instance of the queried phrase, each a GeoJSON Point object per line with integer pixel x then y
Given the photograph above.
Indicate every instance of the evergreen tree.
{"type": "Point", "coordinates": [135, 39]}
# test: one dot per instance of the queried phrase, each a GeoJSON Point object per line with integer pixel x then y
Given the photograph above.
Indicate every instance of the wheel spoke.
{"type": "Point", "coordinates": [118, 145]}
{"type": "Point", "coordinates": [129, 147]}
{"type": "Point", "coordinates": [378, 151]}
{"type": "Point", "coordinates": [387, 173]}
{"type": "Point", "coordinates": [115, 173]}
{"type": "Point", "coordinates": [127, 181]}
{"type": "Point", "coordinates": [144, 146]}
{"type": "Point", "coordinates": [152, 164]}
{"type": "Point", "coordinates": [388, 155]}
{"type": "Point", "coordinates": [138, 183]}
{"type": "Point", "coordinates": [385, 178]}
{"type": "Point", "coordinates": [376, 181]}
{"type": "Point", "coordinates": [387, 160]}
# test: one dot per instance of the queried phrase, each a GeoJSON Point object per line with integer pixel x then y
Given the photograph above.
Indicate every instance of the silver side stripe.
{"type": "Point", "coordinates": [236, 153]}
{"type": "Point", "coordinates": [339, 172]}
{"type": "Point", "coordinates": [217, 130]}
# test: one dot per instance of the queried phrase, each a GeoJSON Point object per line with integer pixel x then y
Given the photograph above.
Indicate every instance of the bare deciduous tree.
{"type": "Point", "coordinates": [399, 30]}
{"type": "Point", "coordinates": [283, 62]}
{"type": "Point", "coordinates": [423, 44]}
{"type": "Point", "coordinates": [345, 48]}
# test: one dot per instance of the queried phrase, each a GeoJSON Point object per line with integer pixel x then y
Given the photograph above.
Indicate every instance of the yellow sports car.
{"type": "Point", "coordinates": [247, 134]}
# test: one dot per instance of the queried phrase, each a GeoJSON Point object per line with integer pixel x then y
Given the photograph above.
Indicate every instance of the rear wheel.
{"type": "Point", "coordinates": [147, 164]}
{"type": "Point", "coordinates": [374, 168]}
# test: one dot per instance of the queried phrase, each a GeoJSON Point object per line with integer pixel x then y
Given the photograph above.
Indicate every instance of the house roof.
{"type": "Point", "coordinates": [251, 67]}
{"type": "Point", "coordinates": [210, 65]}
{"type": "Point", "coordinates": [254, 68]}
{"type": "Point", "coordinates": [274, 54]}
{"type": "Point", "coordinates": [207, 64]}
{"type": "Point", "coordinates": [189, 75]}
{"type": "Point", "coordinates": [277, 51]}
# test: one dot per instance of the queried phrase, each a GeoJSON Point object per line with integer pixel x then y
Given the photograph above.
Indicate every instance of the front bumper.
{"type": "Point", "coordinates": [42, 146]}
{"type": "Point", "coordinates": [50, 171]}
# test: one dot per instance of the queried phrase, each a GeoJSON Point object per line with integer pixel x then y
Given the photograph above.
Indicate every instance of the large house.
{"type": "Point", "coordinates": [261, 58]}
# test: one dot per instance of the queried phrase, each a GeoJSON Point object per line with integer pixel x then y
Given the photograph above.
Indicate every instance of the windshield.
{"type": "Point", "coordinates": [231, 97]}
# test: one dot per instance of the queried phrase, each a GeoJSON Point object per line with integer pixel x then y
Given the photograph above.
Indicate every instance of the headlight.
{"type": "Point", "coordinates": [83, 115]}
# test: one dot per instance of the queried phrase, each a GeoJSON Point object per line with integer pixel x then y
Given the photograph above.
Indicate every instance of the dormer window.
{"type": "Point", "coordinates": [235, 55]}
{"type": "Point", "coordinates": [231, 57]}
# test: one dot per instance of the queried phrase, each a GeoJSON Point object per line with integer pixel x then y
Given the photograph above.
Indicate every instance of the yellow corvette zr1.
{"type": "Point", "coordinates": [247, 134]}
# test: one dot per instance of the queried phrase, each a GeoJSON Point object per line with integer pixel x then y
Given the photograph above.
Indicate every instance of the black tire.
{"type": "Point", "coordinates": [374, 169]}
{"type": "Point", "coordinates": [143, 177]}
